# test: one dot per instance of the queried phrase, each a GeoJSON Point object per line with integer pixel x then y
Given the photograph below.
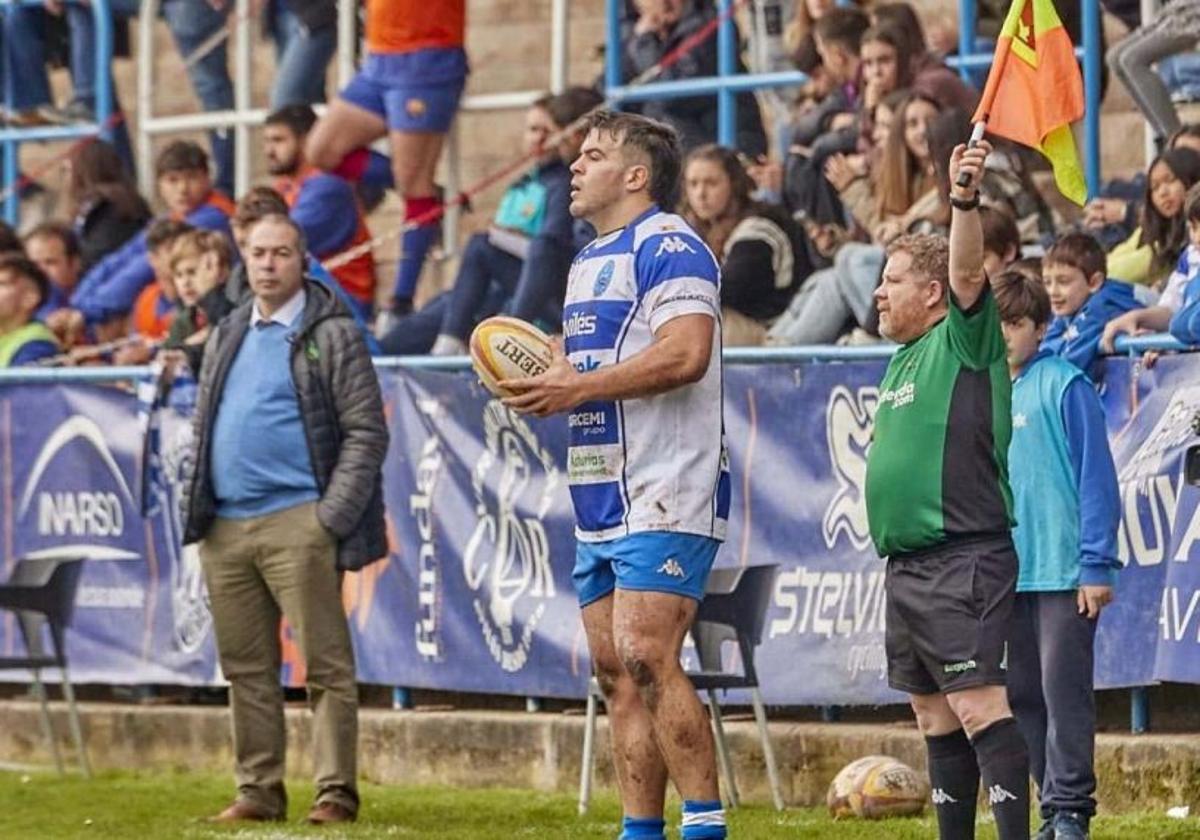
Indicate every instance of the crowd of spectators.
{"type": "Point", "coordinates": [799, 215]}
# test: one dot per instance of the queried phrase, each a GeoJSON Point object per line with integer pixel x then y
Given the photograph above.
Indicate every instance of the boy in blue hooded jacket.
{"type": "Point", "coordinates": [1066, 503]}
{"type": "Point", "coordinates": [1082, 300]}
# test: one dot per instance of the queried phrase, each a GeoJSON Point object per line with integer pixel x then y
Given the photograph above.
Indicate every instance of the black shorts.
{"type": "Point", "coordinates": [948, 612]}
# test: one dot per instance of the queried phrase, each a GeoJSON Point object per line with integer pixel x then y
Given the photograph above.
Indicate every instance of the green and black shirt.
{"type": "Point", "coordinates": [938, 463]}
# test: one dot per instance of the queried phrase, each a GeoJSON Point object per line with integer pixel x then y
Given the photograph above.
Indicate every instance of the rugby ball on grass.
{"type": "Point", "coordinates": [875, 787]}
{"type": "Point", "coordinates": [508, 348]}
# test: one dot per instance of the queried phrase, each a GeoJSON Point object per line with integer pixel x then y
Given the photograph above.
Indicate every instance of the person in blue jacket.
{"type": "Point", "coordinates": [1082, 300]}
{"type": "Point", "coordinates": [109, 288]}
{"type": "Point", "coordinates": [1067, 506]}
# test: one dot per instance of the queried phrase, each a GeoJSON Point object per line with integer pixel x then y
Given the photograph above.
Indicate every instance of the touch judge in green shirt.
{"type": "Point", "coordinates": [940, 510]}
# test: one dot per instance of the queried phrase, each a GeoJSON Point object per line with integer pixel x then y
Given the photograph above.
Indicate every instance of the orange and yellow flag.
{"type": "Point", "coordinates": [1034, 90]}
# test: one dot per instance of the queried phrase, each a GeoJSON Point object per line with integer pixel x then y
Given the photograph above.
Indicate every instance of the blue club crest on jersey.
{"type": "Point", "coordinates": [604, 278]}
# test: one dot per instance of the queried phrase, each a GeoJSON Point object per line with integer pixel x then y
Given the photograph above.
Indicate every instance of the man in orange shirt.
{"type": "Point", "coordinates": [408, 88]}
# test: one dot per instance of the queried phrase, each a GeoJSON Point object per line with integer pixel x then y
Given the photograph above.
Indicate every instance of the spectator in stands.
{"type": "Point", "coordinates": [200, 263]}
{"type": "Point", "coordinates": [55, 249]}
{"type": "Point", "coordinates": [1175, 296]}
{"type": "Point", "coordinates": [284, 495]}
{"type": "Point", "coordinates": [661, 26]}
{"type": "Point", "coordinates": [1114, 214]}
{"type": "Point", "coordinates": [103, 201]}
{"type": "Point", "coordinates": [1082, 299]}
{"type": "Point", "coordinates": [193, 23]}
{"type": "Point", "coordinates": [110, 288]}
{"type": "Point", "coordinates": [1067, 508]}
{"type": "Point", "coordinates": [253, 207]}
{"type": "Point", "coordinates": [305, 35]}
{"type": "Point", "coordinates": [324, 205]}
{"type": "Point", "coordinates": [23, 339]}
{"type": "Point", "coordinates": [157, 304]}
{"type": "Point", "coordinates": [26, 31]}
{"type": "Point", "coordinates": [408, 90]}
{"type": "Point", "coordinates": [805, 14]}
{"type": "Point", "coordinates": [763, 253]}
{"type": "Point", "coordinates": [10, 243]}
{"type": "Point", "coordinates": [1148, 255]}
{"type": "Point", "coordinates": [922, 65]}
{"type": "Point", "coordinates": [531, 239]}
{"type": "Point", "coordinates": [1175, 29]}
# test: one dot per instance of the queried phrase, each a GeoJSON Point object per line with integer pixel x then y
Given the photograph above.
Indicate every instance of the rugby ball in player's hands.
{"type": "Point", "coordinates": [875, 787]}
{"type": "Point", "coordinates": [508, 348]}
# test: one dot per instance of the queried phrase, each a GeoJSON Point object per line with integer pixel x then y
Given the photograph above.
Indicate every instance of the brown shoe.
{"type": "Point", "coordinates": [330, 812]}
{"type": "Point", "coordinates": [243, 811]}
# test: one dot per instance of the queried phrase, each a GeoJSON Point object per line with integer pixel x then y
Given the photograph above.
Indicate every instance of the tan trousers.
{"type": "Point", "coordinates": [740, 330]}
{"type": "Point", "coordinates": [256, 569]}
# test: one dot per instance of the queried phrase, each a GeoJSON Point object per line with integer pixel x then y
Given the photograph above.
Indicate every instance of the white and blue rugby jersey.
{"type": "Point", "coordinates": [656, 463]}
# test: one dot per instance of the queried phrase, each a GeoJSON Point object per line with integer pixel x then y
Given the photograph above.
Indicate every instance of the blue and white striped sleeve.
{"type": "Point", "coordinates": [677, 275]}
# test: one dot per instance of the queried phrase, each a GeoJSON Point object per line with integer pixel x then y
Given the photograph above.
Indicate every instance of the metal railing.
{"type": "Point", "coordinates": [12, 138]}
{"type": "Point", "coordinates": [728, 83]}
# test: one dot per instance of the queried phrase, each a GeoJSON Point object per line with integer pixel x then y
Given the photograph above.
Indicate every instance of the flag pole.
{"type": "Point", "coordinates": [989, 91]}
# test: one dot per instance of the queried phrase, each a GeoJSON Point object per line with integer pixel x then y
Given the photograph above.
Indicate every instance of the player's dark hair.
{"type": "Point", "coordinates": [299, 119]}
{"type": "Point", "coordinates": [1020, 296]}
{"type": "Point", "coordinates": [1078, 250]}
{"type": "Point", "coordinates": [566, 107]}
{"type": "Point", "coordinates": [9, 241]}
{"type": "Point", "coordinates": [256, 204]}
{"type": "Point", "coordinates": [1000, 233]}
{"type": "Point", "coordinates": [902, 18]}
{"type": "Point", "coordinates": [54, 229]}
{"type": "Point", "coordinates": [656, 142]}
{"type": "Point", "coordinates": [21, 266]}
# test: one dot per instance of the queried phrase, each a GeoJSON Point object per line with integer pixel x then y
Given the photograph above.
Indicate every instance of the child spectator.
{"type": "Point", "coordinates": [1146, 257]}
{"type": "Point", "coordinates": [1082, 300]}
{"type": "Point", "coordinates": [157, 304]}
{"type": "Point", "coordinates": [1159, 317]}
{"type": "Point", "coordinates": [763, 253]}
{"type": "Point", "coordinates": [23, 287]}
{"type": "Point", "coordinates": [200, 263]}
{"type": "Point", "coordinates": [111, 287]}
{"type": "Point", "coordinates": [1067, 507]}
{"type": "Point", "coordinates": [103, 202]}
{"type": "Point", "coordinates": [1001, 239]}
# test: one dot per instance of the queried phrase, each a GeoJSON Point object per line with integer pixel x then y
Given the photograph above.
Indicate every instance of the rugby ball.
{"type": "Point", "coordinates": [875, 787]}
{"type": "Point", "coordinates": [508, 348]}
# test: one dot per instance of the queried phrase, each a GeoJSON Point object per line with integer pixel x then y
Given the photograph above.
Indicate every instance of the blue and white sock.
{"type": "Point", "coordinates": [703, 820]}
{"type": "Point", "coordinates": [643, 828]}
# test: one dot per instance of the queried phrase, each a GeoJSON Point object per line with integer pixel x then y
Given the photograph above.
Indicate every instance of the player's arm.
{"type": "Point", "coordinates": [967, 277]}
{"type": "Point", "coordinates": [679, 356]}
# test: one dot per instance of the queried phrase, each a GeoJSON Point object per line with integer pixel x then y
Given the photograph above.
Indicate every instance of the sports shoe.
{"type": "Point", "coordinates": [1046, 832]}
{"type": "Point", "coordinates": [1071, 825]}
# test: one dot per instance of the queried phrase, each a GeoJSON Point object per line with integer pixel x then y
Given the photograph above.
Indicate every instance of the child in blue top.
{"type": "Point", "coordinates": [1082, 300]}
{"type": "Point", "coordinates": [1066, 504]}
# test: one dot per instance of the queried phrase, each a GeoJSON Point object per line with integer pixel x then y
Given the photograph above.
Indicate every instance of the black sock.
{"type": "Point", "coordinates": [954, 777]}
{"type": "Point", "coordinates": [1004, 766]}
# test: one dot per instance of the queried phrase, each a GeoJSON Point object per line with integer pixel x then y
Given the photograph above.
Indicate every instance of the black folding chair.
{"type": "Point", "coordinates": [41, 592]}
{"type": "Point", "coordinates": [734, 609]}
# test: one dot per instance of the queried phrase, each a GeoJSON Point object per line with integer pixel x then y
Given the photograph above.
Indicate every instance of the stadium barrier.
{"type": "Point", "coordinates": [475, 594]}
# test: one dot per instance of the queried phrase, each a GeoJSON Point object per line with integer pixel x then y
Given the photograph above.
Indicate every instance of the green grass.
{"type": "Point", "coordinates": [166, 805]}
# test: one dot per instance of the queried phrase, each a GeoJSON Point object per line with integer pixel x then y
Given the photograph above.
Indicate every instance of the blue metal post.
{"type": "Point", "coordinates": [1091, 94]}
{"type": "Point", "coordinates": [726, 66]}
{"type": "Point", "coordinates": [966, 35]}
{"type": "Point", "coordinates": [104, 83]}
{"type": "Point", "coordinates": [401, 698]}
{"type": "Point", "coordinates": [1139, 710]}
{"type": "Point", "coordinates": [612, 45]}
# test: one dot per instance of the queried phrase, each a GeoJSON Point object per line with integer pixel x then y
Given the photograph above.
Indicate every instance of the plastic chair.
{"type": "Point", "coordinates": [41, 592]}
{"type": "Point", "coordinates": [734, 609]}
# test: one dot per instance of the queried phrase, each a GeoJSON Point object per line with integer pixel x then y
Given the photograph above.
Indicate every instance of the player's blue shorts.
{"type": "Point", "coordinates": [651, 561]}
{"type": "Point", "coordinates": [416, 91]}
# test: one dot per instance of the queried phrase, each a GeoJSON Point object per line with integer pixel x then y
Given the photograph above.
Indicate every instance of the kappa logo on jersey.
{"type": "Point", "coordinates": [849, 422]}
{"type": "Point", "coordinates": [940, 797]}
{"type": "Point", "coordinates": [604, 278]}
{"type": "Point", "coordinates": [673, 245]}
{"type": "Point", "coordinates": [671, 568]}
{"type": "Point", "coordinates": [579, 324]}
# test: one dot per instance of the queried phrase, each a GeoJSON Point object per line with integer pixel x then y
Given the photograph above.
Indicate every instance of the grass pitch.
{"type": "Point", "coordinates": [164, 805]}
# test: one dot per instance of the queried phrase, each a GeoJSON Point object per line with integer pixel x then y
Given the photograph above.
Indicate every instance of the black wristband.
{"type": "Point", "coordinates": [969, 204]}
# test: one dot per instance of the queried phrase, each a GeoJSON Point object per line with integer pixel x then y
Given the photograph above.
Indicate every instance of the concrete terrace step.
{"type": "Point", "coordinates": [543, 751]}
